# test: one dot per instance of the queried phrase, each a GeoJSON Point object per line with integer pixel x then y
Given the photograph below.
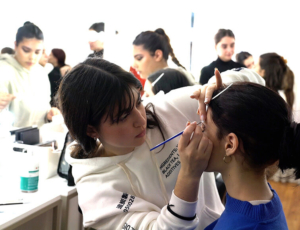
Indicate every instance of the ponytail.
{"type": "Point", "coordinates": [288, 85]}
{"type": "Point", "coordinates": [171, 52]}
{"type": "Point", "coordinates": [86, 149]}
{"type": "Point", "coordinates": [289, 151]}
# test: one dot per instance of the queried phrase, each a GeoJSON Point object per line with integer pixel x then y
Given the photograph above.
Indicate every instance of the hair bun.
{"type": "Point", "coordinates": [160, 31]}
{"type": "Point", "coordinates": [27, 23]}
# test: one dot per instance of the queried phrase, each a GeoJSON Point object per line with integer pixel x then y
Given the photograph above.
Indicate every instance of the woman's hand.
{"type": "Point", "coordinates": [204, 94]}
{"type": "Point", "coordinates": [194, 152]}
{"type": "Point", "coordinates": [194, 156]}
{"type": "Point", "coordinates": [5, 99]}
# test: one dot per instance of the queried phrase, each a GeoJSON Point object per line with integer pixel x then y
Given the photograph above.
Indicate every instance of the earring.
{"type": "Point", "coordinates": [227, 159]}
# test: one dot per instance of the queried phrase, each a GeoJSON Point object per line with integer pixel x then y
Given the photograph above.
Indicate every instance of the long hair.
{"type": "Point", "coordinates": [93, 90]}
{"type": "Point", "coordinates": [277, 74]}
{"type": "Point", "coordinates": [157, 40]}
{"type": "Point", "coordinates": [60, 55]}
{"type": "Point", "coordinates": [263, 123]}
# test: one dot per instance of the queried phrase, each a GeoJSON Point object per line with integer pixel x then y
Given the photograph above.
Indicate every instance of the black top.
{"type": "Point", "coordinates": [98, 54]}
{"type": "Point", "coordinates": [208, 71]}
{"type": "Point", "coordinates": [54, 78]}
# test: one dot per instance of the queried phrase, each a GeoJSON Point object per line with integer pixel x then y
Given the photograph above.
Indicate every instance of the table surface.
{"type": "Point", "coordinates": [49, 191]}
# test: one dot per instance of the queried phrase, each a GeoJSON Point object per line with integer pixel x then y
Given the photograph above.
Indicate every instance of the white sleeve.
{"type": "Point", "coordinates": [111, 208]}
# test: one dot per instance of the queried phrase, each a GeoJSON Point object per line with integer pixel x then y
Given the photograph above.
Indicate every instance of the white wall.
{"type": "Point", "coordinates": [260, 26]}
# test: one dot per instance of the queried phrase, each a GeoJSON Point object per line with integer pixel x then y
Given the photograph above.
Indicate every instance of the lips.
{"type": "Point", "coordinates": [141, 134]}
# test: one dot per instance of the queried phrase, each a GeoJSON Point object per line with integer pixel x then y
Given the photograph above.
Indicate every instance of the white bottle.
{"type": "Point", "coordinates": [30, 173]}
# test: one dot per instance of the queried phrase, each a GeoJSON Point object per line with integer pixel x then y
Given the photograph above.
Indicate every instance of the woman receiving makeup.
{"type": "Point", "coordinates": [24, 84]}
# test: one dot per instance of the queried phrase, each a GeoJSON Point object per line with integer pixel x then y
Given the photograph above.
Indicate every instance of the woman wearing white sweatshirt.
{"type": "Point", "coordinates": [24, 85]}
{"type": "Point", "coordinates": [121, 184]}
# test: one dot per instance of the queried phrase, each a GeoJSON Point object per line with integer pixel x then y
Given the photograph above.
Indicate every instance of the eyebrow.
{"type": "Point", "coordinates": [26, 47]}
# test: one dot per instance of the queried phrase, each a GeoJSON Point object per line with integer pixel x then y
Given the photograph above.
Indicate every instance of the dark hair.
{"type": "Point", "coordinates": [60, 55]}
{"type": "Point", "coordinates": [223, 33]}
{"type": "Point", "coordinates": [277, 75]}
{"type": "Point", "coordinates": [262, 122]}
{"type": "Point", "coordinates": [29, 30]}
{"type": "Point", "coordinates": [98, 27]}
{"type": "Point", "coordinates": [7, 50]}
{"type": "Point", "coordinates": [172, 79]}
{"type": "Point", "coordinates": [157, 40]}
{"type": "Point", "coordinates": [242, 56]}
{"type": "Point", "coordinates": [90, 92]}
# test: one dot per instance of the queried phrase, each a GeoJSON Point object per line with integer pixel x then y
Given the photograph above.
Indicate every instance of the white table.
{"type": "Point", "coordinates": [53, 206]}
{"type": "Point", "coordinates": [43, 212]}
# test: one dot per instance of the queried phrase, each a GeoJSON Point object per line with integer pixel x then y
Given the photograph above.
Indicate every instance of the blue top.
{"type": "Point", "coordinates": [240, 215]}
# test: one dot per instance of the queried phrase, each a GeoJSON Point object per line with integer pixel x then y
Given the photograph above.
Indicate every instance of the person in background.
{"type": "Point", "coordinates": [151, 50]}
{"type": "Point", "coordinates": [57, 58]}
{"type": "Point", "coordinates": [224, 45]}
{"type": "Point", "coordinates": [251, 127]}
{"type": "Point", "coordinates": [64, 70]}
{"type": "Point", "coordinates": [165, 80]}
{"type": "Point", "coordinates": [96, 39]}
{"type": "Point", "coordinates": [24, 85]}
{"type": "Point", "coordinates": [280, 78]}
{"type": "Point", "coordinates": [44, 58]}
{"type": "Point", "coordinates": [7, 50]}
{"type": "Point", "coordinates": [246, 59]}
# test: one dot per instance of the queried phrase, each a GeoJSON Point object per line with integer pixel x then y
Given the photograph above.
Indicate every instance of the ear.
{"type": "Point", "coordinates": [158, 55]}
{"type": "Point", "coordinates": [231, 144]}
{"type": "Point", "coordinates": [91, 131]}
{"type": "Point", "coordinates": [262, 72]}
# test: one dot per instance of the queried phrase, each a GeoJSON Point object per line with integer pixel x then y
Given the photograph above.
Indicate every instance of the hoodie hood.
{"type": "Point", "coordinates": [10, 60]}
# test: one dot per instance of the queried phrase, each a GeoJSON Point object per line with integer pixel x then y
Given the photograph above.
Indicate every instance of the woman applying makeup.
{"type": "Point", "coordinates": [24, 85]}
{"type": "Point", "coordinates": [120, 182]}
{"type": "Point", "coordinates": [224, 45]}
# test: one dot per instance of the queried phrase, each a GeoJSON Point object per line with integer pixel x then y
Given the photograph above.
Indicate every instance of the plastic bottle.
{"type": "Point", "coordinates": [30, 173]}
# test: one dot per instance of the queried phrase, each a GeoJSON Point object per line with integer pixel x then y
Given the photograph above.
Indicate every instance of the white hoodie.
{"type": "Point", "coordinates": [132, 191]}
{"type": "Point", "coordinates": [31, 88]}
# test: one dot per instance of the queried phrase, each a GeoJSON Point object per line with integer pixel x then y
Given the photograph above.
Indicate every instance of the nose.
{"type": "Point", "coordinates": [134, 65]}
{"type": "Point", "coordinates": [32, 56]}
{"type": "Point", "coordinates": [139, 119]}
